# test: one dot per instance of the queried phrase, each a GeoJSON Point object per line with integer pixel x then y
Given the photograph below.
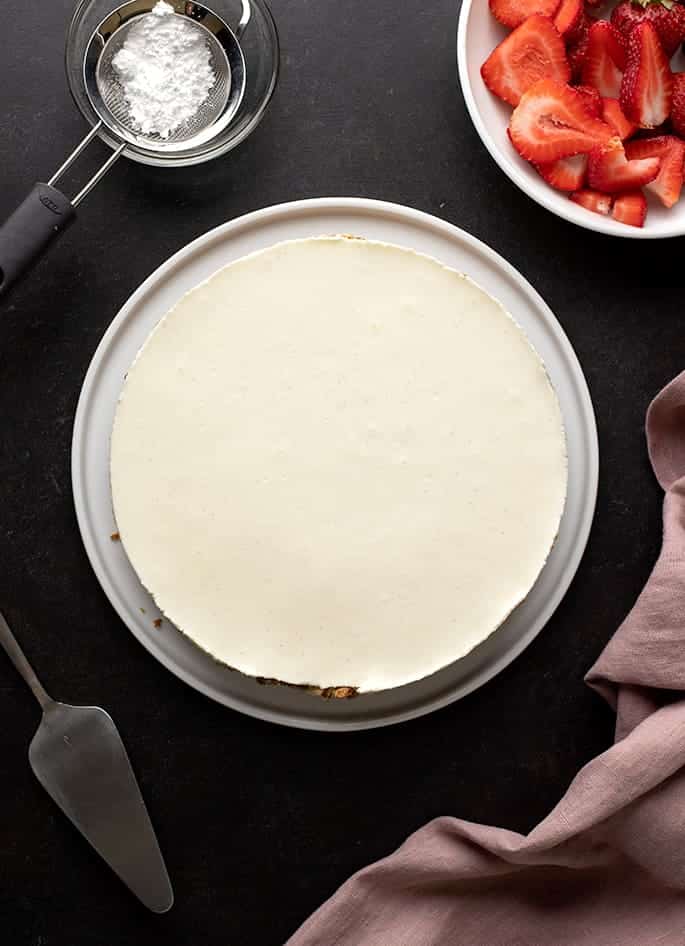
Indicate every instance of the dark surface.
{"type": "Point", "coordinates": [258, 823]}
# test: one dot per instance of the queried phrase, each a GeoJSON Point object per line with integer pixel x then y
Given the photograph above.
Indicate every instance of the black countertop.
{"type": "Point", "coordinates": [259, 823]}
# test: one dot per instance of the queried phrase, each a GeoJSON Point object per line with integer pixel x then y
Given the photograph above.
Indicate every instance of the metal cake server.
{"type": "Point", "coordinates": [78, 757]}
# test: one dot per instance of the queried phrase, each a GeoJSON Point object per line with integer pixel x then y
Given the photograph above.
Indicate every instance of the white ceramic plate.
{"type": "Point", "coordinates": [478, 35]}
{"type": "Point", "coordinates": [128, 331]}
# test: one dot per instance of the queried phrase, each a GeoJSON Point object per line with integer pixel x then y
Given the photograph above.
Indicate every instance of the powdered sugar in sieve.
{"type": "Point", "coordinates": [163, 76]}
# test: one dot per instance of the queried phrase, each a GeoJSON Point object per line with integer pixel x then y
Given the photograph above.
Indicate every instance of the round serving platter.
{"type": "Point", "coordinates": [377, 220]}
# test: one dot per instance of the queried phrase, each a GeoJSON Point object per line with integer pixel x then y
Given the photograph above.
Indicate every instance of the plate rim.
{"type": "Point", "coordinates": [257, 218]}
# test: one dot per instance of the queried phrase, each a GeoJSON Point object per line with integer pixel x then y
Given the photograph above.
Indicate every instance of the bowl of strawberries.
{"type": "Point", "coordinates": [583, 106]}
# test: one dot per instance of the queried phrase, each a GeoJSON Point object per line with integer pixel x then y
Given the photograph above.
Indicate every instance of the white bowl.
{"type": "Point", "coordinates": [478, 35]}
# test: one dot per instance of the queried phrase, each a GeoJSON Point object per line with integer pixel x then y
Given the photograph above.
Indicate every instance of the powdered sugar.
{"type": "Point", "coordinates": [164, 70]}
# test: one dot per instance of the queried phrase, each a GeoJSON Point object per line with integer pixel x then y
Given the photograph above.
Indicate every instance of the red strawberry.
{"type": "Point", "coordinates": [678, 106]}
{"type": "Point", "coordinates": [671, 151]}
{"type": "Point", "coordinates": [593, 200]}
{"type": "Point", "coordinates": [667, 18]}
{"type": "Point", "coordinates": [569, 17]}
{"type": "Point", "coordinates": [610, 171]}
{"type": "Point", "coordinates": [566, 174]}
{"type": "Point", "coordinates": [534, 51]}
{"type": "Point", "coordinates": [577, 48]}
{"type": "Point", "coordinates": [605, 59]}
{"type": "Point", "coordinates": [513, 12]}
{"type": "Point", "coordinates": [552, 121]}
{"type": "Point", "coordinates": [612, 113]}
{"type": "Point", "coordinates": [647, 87]}
{"type": "Point", "coordinates": [593, 99]}
{"type": "Point", "coordinates": [630, 208]}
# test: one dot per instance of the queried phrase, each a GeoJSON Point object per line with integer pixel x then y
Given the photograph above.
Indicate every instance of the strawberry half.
{"type": "Point", "coordinates": [678, 104]}
{"type": "Point", "coordinates": [566, 174]}
{"type": "Point", "coordinates": [552, 121]}
{"type": "Point", "coordinates": [593, 99]}
{"type": "Point", "coordinates": [610, 171]}
{"type": "Point", "coordinates": [630, 208]}
{"type": "Point", "coordinates": [671, 152]}
{"type": "Point", "coordinates": [666, 16]}
{"type": "Point", "coordinates": [577, 48]}
{"type": "Point", "coordinates": [605, 59]}
{"type": "Point", "coordinates": [594, 201]}
{"type": "Point", "coordinates": [612, 113]}
{"type": "Point", "coordinates": [534, 51]}
{"type": "Point", "coordinates": [513, 12]}
{"type": "Point", "coordinates": [569, 17]}
{"type": "Point", "coordinates": [647, 88]}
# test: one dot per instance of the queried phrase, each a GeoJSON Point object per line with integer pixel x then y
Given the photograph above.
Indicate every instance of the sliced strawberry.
{"type": "Point", "coordinates": [605, 59]}
{"type": "Point", "coordinates": [593, 99]}
{"type": "Point", "coordinates": [612, 113]}
{"type": "Point", "coordinates": [552, 121]}
{"type": "Point", "coordinates": [667, 18]}
{"type": "Point", "coordinates": [626, 15]}
{"type": "Point", "coordinates": [577, 48]}
{"type": "Point", "coordinates": [671, 151]}
{"type": "Point", "coordinates": [647, 88]}
{"type": "Point", "coordinates": [566, 174]}
{"type": "Point", "coordinates": [513, 12]}
{"type": "Point", "coordinates": [670, 25]}
{"type": "Point", "coordinates": [630, 208]}
{"type": "Point", "coordinates": [610, 171]}
{"type": "Point", "coordinates": [569, 17]}
{"type": "Point", "coordinates": [594, 201]}
{"type": "Point", "coordinates": [678, 104]}
{"type": "Point", "coordinates": [534, 51]}
{"type": "Point", "coordinates": [582, 28]}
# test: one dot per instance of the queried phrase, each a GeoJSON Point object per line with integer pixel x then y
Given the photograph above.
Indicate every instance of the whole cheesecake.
{"type": "Point", "coordinates": [338, 464]}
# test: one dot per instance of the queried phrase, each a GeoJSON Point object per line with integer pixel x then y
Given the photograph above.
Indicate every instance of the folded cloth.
{"type": "Point", "coordinates": [607, 866]}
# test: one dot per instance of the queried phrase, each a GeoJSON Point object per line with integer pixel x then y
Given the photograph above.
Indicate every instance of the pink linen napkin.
{"type": "Point", "coordinates": [607, 866]}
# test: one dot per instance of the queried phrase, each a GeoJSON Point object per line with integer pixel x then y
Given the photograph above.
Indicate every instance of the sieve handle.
{"type": "Point", "coordinates": [30, 230]}
{"type": "Point", "coordinates": [43, 215]}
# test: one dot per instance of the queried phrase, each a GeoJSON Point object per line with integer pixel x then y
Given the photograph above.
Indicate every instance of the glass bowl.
{"type": "Point", "coordinates": [259, 44]}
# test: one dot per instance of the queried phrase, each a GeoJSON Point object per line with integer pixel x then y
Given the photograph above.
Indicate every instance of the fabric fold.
{"type": "Point", "coordinates": [607, 866]}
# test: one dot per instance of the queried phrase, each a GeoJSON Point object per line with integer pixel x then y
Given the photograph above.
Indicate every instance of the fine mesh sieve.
{"type": "Point", "coordinates": [113, 99]}
{"type": "Point", "coordinates": [46, 211]}
{"type": "Point", "coordinates": [106, 95]}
